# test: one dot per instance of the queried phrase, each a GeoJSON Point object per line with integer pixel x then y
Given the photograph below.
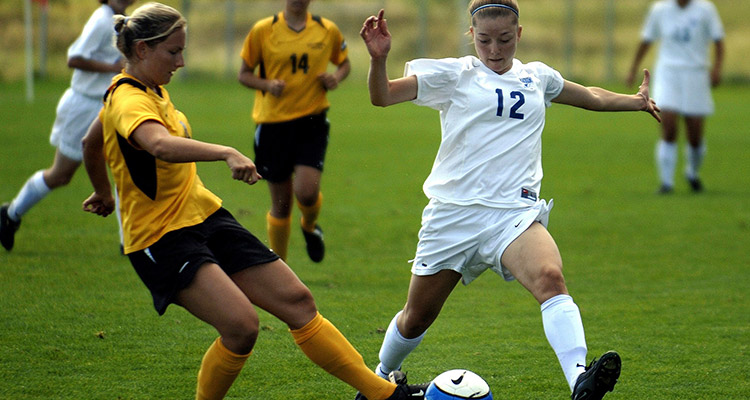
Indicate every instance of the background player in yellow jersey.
{"type": "Point", "coordinates": [286, 59]}
{"type": "Point", "coordinates": [185, 247]}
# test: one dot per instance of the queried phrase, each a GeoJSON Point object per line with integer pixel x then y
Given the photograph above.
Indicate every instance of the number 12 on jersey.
{"type": "Point", "coordinates": [520, 100]}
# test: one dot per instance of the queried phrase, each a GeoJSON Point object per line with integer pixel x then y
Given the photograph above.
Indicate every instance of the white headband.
{"type": "Point", "coordinates": [495, 5]}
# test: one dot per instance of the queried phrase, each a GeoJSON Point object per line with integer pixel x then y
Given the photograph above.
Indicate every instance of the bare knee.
{"type": "Point", "coordinates": [299, 308]}
{"type": "Point", "coordinates": [412, 324]}
{"type": "Point", "coordinates": [55, 180]}
{"type": "Point", "coordinates": [549, 283]}
{"type": "Point", "coordinates": [302, 299]}
{"type": "Point", "coordinates": [307, 197]}
{"type": "Point", "coordinates": [240, 333]}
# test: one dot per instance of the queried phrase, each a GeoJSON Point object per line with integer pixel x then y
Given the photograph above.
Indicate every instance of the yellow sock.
{"type": "Point", "coordinates": [310, 214]}
{"type": "Point", "coordinates": [278, 234]}
{"type": "Point", "coordinates": [218, 370]}
{"type": "Point", "coordinates": [329, 349]}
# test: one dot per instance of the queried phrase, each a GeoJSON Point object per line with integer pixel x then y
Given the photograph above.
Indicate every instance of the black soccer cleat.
{"type": "Point", "coordinates": [599, 377]}
{"type": "Point", "coordinates": [695, 184]}
{"type": "Point", "coordinates": [316, 249]}
{"type": "Point", "coordinates": [8, 228]}
{"type": "Point", "coordinates": [665, 189]}
{"type": "Point", "coordinates": [403, 391]}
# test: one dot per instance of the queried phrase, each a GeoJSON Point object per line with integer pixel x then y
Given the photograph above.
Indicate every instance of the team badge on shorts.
{"type": "Point", "coordinates": [527, 193]}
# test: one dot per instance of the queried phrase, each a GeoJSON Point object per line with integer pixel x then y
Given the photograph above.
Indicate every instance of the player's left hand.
{"type": "Point", "coordinates": [649, 103]}
{"type": "Point", "coordinates": [376, 35]}
{"type": "Point", "coordinates": [328, 81]}
{"type": "Point", "coordinates": [99, 204]}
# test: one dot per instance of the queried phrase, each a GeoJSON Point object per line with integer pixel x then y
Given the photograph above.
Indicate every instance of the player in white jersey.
{"type": "Point", "coordinates": [683, 78]}
{"type": "Point", "coordinates": [484, 210]}
{"type": "Point", "coordinates": [95, 60]}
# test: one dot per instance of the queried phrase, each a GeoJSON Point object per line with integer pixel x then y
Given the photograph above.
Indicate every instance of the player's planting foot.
{"type": "Point", "coordinates": [315, 247]}
{"type": "Point", "coordinates": [695, 184]}
{"type": "Point", "coordinates": [8, 228]}
{"type": "Point", "coordinates": [599, 377]}
{"type": "Point", "coordinates": [665, 189]}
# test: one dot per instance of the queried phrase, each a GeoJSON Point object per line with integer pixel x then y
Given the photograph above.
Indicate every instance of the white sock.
{"type": "Point", "coordinates": [666, 159]}
{"type": "Point", "coordinates": [694, 159]}
{"type": "Point", "coordinates": [395, 348]}
{"type": "Point", "coordinates": [33, 191]}
{"type": "Point", "coordinates": [564, 329]}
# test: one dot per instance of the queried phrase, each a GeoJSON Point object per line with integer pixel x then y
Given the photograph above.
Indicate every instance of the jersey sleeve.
{"type": "Point", "coordinates": [550, 80]}
{"type": "Point", "coordinates": [436, 80]}
{"type": "Point", "coordinates": [716, 29]}
{"type": "Point", "coordinates": [131, 107]}
{"type": "Point", "coordinates": [340, 50]}
{"type": "Point", "coordinates": [251, 47]}
{"type": "Point", "coordinates": [650, 31]}
{"type": "Point", "coordinates": [94, 36]}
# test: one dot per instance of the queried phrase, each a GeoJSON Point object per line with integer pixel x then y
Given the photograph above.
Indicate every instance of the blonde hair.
{"type": "Point", "coordinates": [151, 23]}
{"type": "Point", "coordinates": [503, 8]}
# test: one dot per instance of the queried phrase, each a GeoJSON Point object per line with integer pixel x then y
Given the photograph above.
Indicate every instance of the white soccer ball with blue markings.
{"type": "Point", "coordinates": [458, 384]}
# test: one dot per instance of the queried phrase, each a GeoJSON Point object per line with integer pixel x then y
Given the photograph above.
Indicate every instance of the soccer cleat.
{"type": "Point", "coordinates": [599, 377]}
{"type": "Point", "coordinates": [403, 391]}
{"type": "Point", "coordinates": [695, 184]}
{"type": "Point", "coordinates": [315, 247]}
{"type": "Point", "coordinates": [8, 228]}
{"type": "Point", "coordinates": [665, 189]}
{"type": "Point", "coordinates": [409, 392]}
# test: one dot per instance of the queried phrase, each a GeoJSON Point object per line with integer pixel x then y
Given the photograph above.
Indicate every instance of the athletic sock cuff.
{"type": "Point", "coordinates": [556, 300]}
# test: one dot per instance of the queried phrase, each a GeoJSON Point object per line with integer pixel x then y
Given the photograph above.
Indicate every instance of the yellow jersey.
{"type": "Point", "coordinates": [297, 58]}
{"type": "Point", "coordinates": [156, 197]}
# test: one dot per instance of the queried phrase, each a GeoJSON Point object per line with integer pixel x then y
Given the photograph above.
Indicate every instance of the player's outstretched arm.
{"type": "Point", "coordinates": [154, 138]}
{"type": "Point", "coordinates": [384, 92]}
{"type": "Point", "coordinates": [598, 99]}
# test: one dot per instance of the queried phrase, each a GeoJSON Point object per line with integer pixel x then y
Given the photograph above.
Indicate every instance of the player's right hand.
{"type": "Point", "coordinates": [243, 169]}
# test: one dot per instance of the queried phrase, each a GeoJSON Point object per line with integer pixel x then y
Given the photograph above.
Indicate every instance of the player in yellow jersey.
{"type": "Point", "coordinates": [185, 247]}
{"type": "Point", "coordinates": [285, 58]}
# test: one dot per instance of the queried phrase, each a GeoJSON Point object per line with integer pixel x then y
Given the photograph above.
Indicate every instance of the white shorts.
{"type": "Point", "coordinates": [75, 112]}
{"type": "Point", "coordinates": [686, 91]}
{"type": "Point", "coordinates": [471, 239]}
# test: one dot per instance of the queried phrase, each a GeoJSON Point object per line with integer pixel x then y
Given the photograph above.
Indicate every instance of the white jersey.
{"type": "Point", "coordinates": [96, 42]}
{"type": "Point", "coordinates": [491, 147]}
{"type": "Point", "coordinates": [685, 33]}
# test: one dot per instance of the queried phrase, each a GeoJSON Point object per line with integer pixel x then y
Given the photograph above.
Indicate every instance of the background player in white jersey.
{"type": "Point", "coordinates": [683, 78]}
{"type": "Point", "coordinates": [95, 60]}
{"type": "Point", "coordinates": [484, 210]}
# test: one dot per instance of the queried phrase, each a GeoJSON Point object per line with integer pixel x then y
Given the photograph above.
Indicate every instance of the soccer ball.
{"type": "Point", "coordinates": [458, 384]}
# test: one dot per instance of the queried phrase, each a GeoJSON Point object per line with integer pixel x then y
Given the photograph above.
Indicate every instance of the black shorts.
{"type": "Point", "coordinates": [170, 264]}
{"type": "Point", "coordinates": [281, 146]}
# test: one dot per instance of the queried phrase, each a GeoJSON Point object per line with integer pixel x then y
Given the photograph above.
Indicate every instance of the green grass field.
{"type": "Point", "coordinates": [663, 280]}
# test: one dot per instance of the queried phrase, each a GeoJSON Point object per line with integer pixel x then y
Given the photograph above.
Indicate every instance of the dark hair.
{"type": "Point", "coordinates": [501, 10]}
{"type": "Point", "coordinates": [151, 23]}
